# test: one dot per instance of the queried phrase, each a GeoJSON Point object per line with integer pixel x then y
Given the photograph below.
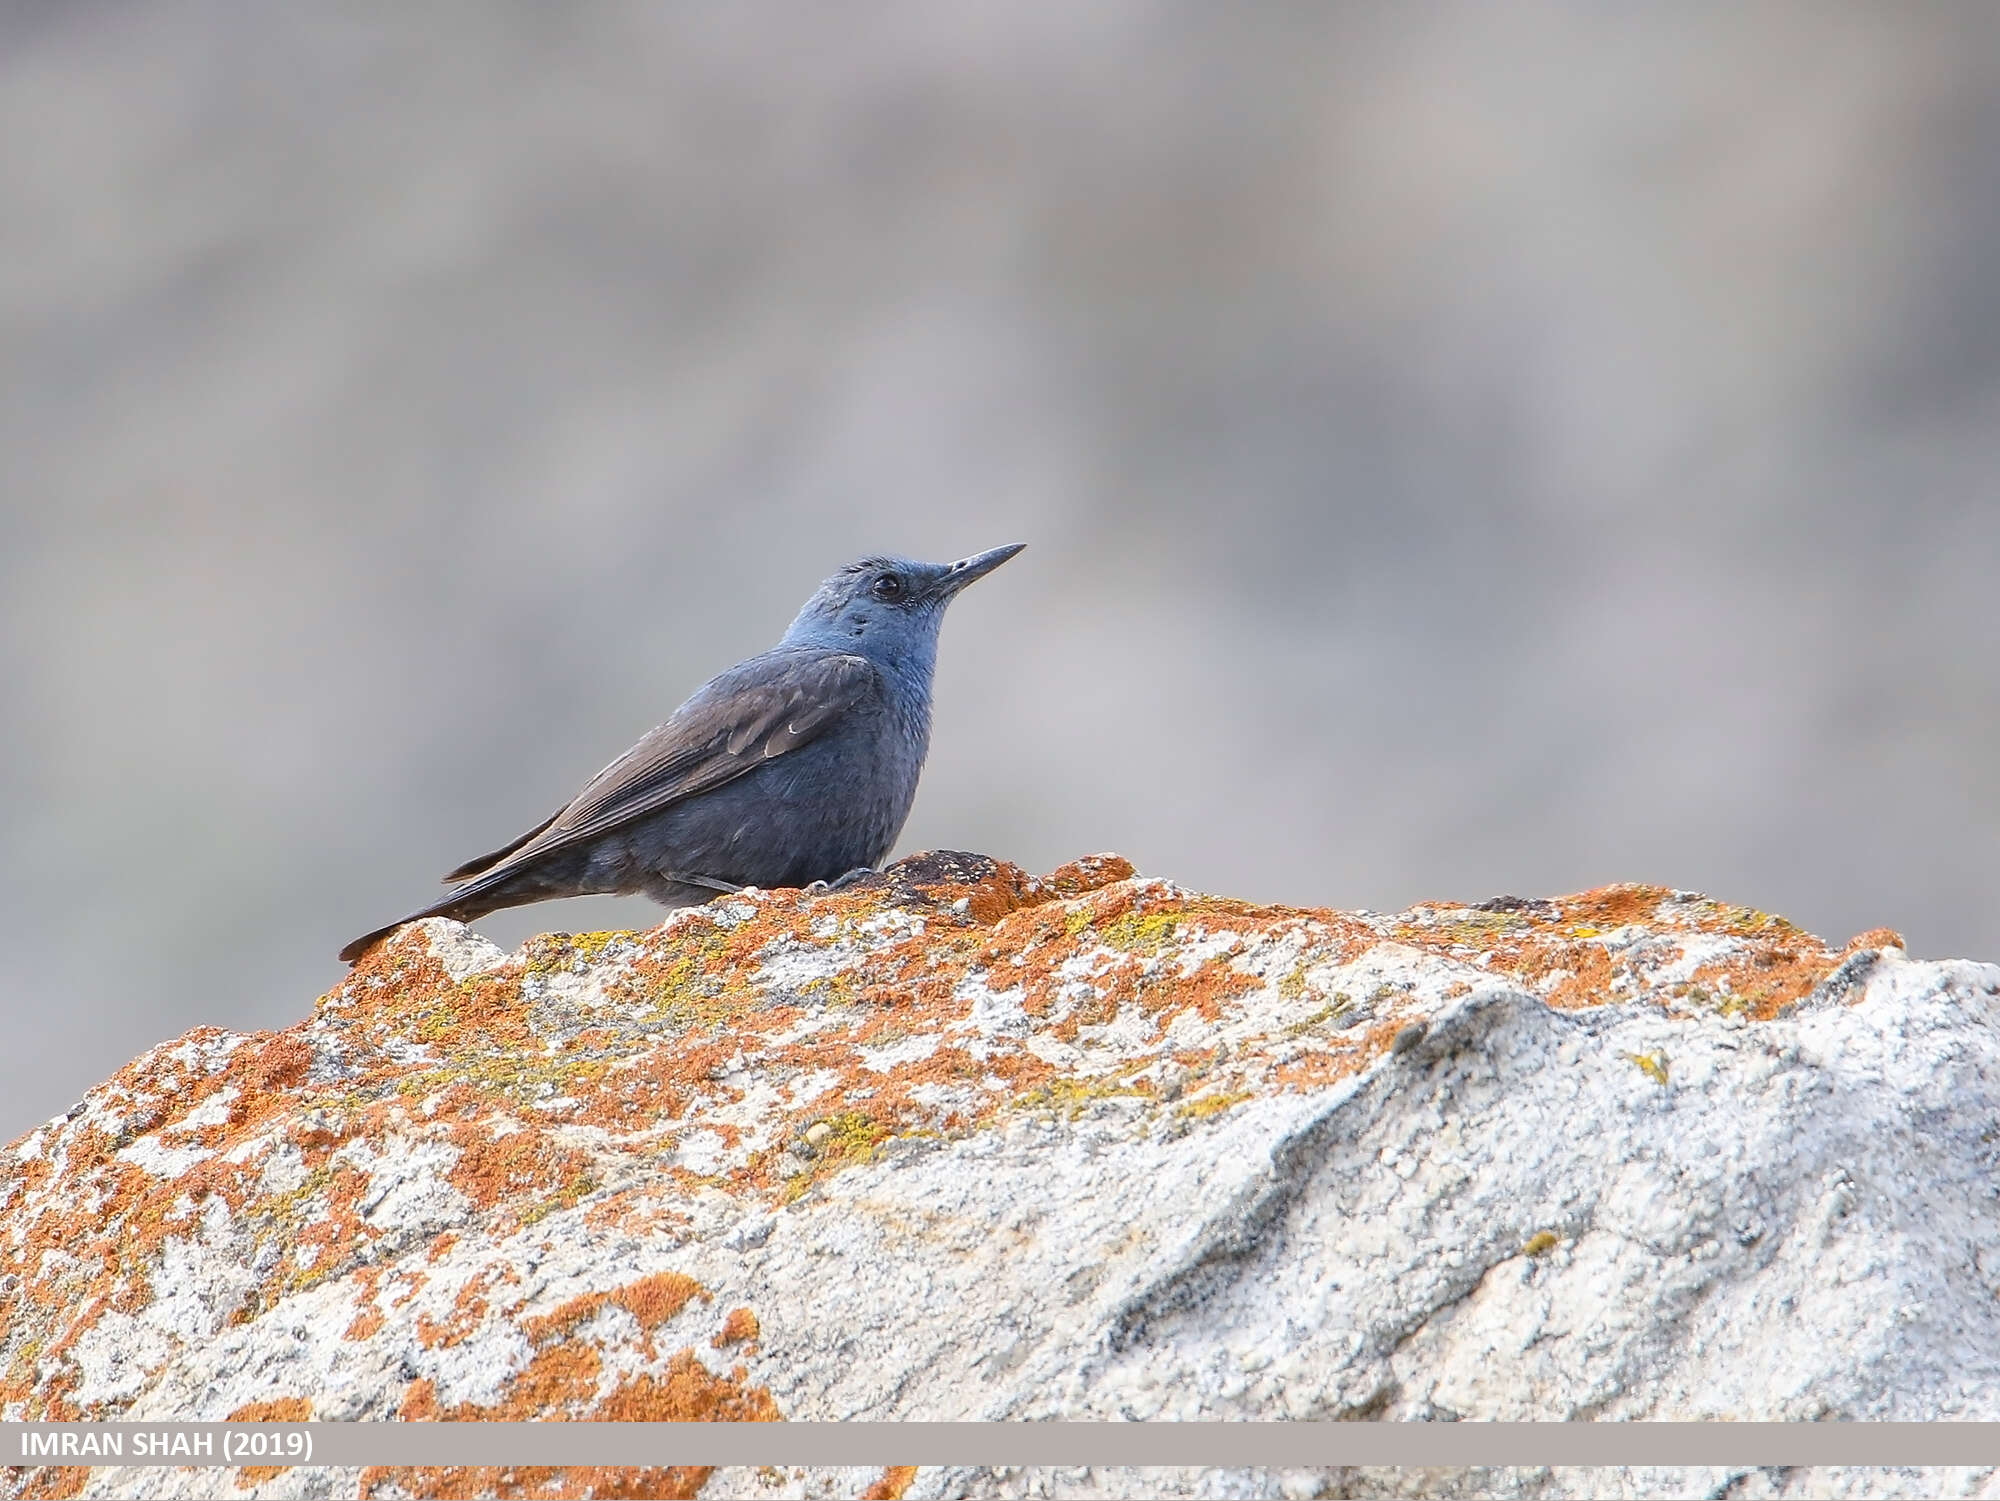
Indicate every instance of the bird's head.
{"type": "Point", "coordinates": [888, 607]}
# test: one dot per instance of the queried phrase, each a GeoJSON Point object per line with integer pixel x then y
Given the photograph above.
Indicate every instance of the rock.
{"type": "Point", "coordinates": [961, 1143]}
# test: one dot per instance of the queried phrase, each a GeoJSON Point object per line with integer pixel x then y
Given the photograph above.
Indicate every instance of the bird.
{"type": "Point", "coordinates": [796, 767]}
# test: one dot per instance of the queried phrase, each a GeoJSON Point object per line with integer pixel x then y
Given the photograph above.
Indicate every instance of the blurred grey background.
{"type": "Point", "coordinates": [1462, 450]}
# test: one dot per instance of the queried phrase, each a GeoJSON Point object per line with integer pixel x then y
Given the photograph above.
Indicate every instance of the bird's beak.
{"type": "Point", "coordinates": [965, 570]}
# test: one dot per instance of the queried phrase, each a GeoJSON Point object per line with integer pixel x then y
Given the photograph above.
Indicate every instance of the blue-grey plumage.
{"type": "Point", "coordinates": [798, 765]}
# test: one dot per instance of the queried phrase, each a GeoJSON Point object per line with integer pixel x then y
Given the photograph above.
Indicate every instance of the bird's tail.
{"type": "Point", "coordinates": [447, 908]}
{"type": "Point", "coordinates": [488, 893]}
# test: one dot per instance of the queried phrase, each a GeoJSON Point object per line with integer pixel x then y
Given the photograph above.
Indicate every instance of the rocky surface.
{"type": "Point", "coordinates": [964, 1143]}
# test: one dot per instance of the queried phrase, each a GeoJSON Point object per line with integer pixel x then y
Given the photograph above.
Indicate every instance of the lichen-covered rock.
{"type": "Point", "coordinates": [963, 1143]}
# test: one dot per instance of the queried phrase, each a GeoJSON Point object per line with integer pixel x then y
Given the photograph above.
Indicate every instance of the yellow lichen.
{"type": "Point", "coordinates": [570, 953]}
{"type": "Point", "coordinates": [1652, 1065]}
{"type": "Point", "coordinates": [1213, 1104]}
{"type": "Point", "coordinates": [1071, 1097]}
{"type": "Point", "coordinates": [850, 1137]}
{"type": "Point", "coordinates": [1340, 1003]}
{"type": "Point", "coordinates": [1146, 932]}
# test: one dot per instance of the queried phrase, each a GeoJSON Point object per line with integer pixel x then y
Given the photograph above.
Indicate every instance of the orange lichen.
{"type": "Point", "coordinates": [468, 1311]}
{"type": "Point", "coordinates": [1603, 945]}
{"type": "Point", "coordinates": [651, 1301]}
{"type": "Point", "coordinates": [688, 1393]}
{"type": "Point", "coordinates": [420, 1403]}
{"type": "Point", "coordinates": [540, 1482]}
{"type": "Point", "coordinates": [273, 1410]}
{"type": "Point", "coordinates": [560, 1384]}
{"type": "Point", "coordinates": [504, 1169]}
{"type": "Point", "coordinates": [1874, 938]}
{"type": "Point", "coordinates": [739, 1326]}
{"type": "Point", "coordinates": [655, 1299]}
{"type": "Point", "coordinates": [280, 1063]}
{"type": "Point", "coordinates": [893, 1482]}
{"type": "Point", "coordinates": [48, 1482]}
{"type": "Point", "coordinates": [1091, 873]}
{"type": "Point", "coordinates": [559, 1322]}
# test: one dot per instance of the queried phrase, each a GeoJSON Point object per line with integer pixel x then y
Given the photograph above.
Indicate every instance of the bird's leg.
{"type": "Point", "coordinates": [709, 881]}
{"type": "Point", "coordinates": [841, 883]}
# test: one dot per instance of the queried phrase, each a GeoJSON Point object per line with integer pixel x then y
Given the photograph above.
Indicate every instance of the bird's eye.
{"type": "Point", "coordinates": [888, 586]}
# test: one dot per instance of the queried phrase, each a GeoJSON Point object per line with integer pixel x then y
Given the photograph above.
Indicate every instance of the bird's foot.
{"type": "Point", "coordinates": [841, 883]}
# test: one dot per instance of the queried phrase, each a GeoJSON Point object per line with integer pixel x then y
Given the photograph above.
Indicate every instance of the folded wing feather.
{"type": "Point", "coordinates": [751, 714]}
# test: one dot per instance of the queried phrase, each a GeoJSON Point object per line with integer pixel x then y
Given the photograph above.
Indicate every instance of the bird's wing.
{"type": "Point", "coordinates": [751, 714]}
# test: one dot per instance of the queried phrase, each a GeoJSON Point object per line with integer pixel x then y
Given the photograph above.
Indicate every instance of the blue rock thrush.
{"type": "Point", "coordinates": [795, 767]}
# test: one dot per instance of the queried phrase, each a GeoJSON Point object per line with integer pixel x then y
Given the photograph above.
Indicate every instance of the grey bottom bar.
{"type": "Point", "coordinates": [1273, 1445]}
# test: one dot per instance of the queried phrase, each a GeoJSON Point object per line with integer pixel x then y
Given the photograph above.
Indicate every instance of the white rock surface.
{"type": "Point", "coordinates": [1626, 1211]}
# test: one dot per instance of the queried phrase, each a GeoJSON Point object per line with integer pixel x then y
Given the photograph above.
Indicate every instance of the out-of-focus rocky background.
{"type": "Point", "coordinates": [1460, 452]}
